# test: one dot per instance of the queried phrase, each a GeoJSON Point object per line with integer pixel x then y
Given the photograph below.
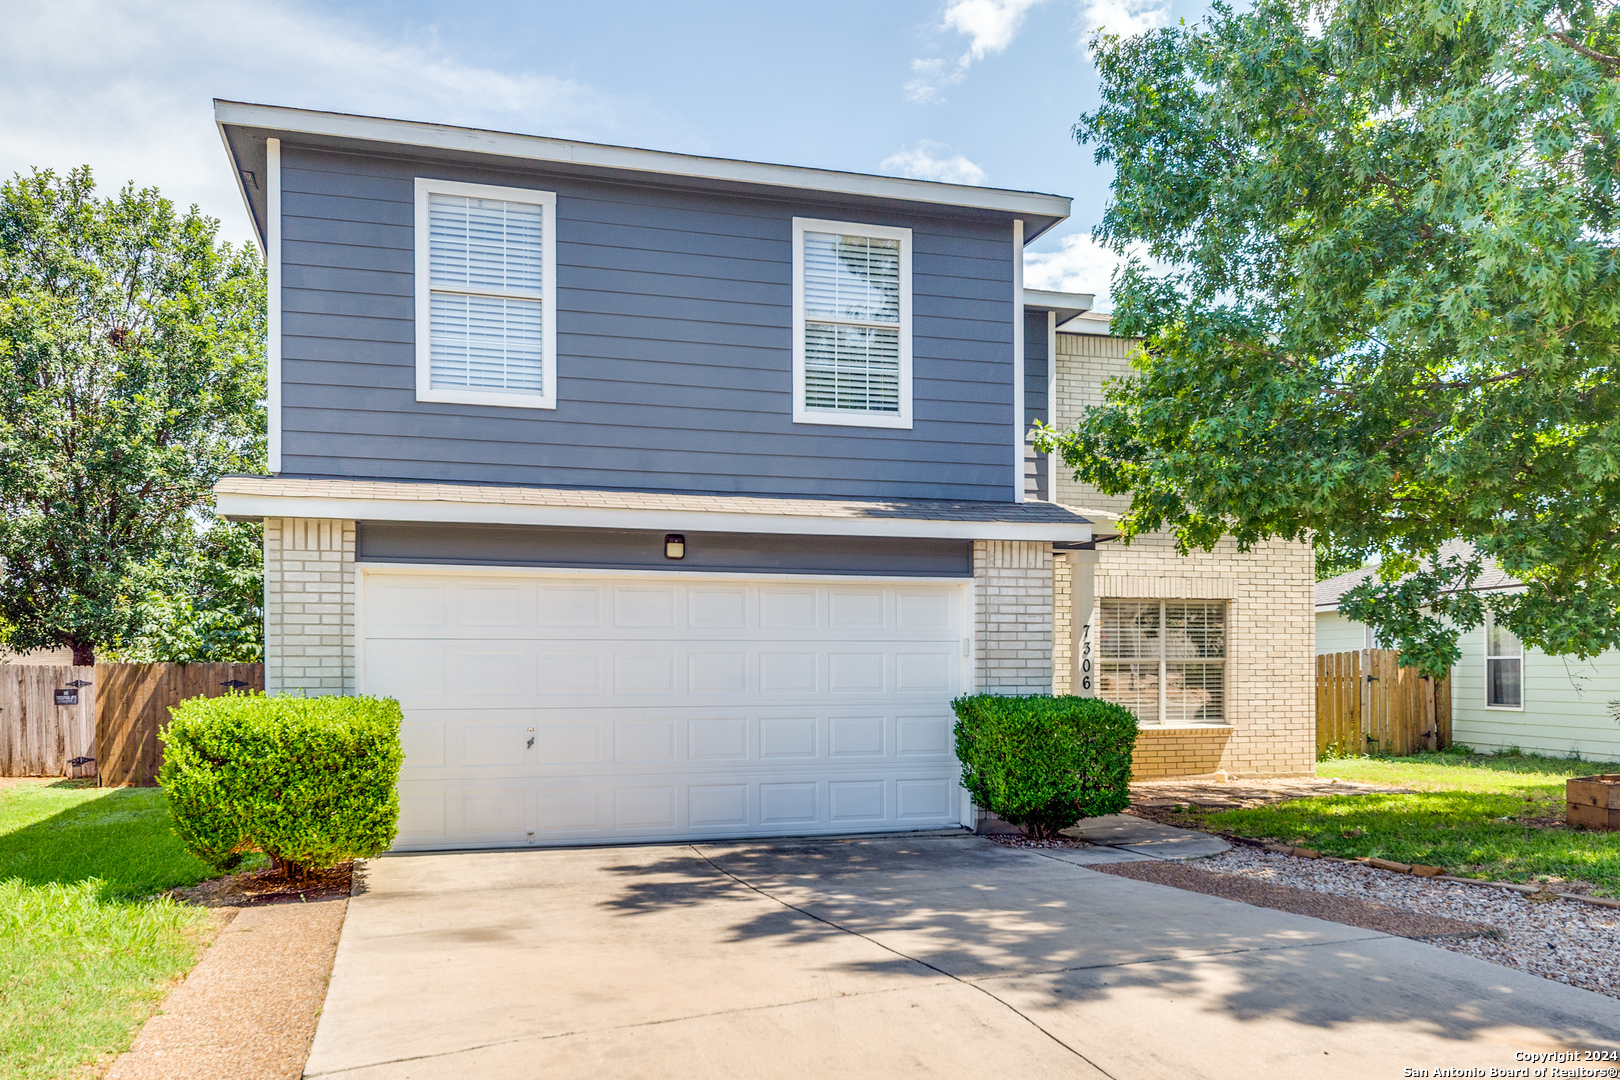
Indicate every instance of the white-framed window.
{"type": "Point", "coordinates": [851, 324]}
{"type": "Point", "coordinates": [1504, 667]}
{"type": "Point", "coordinates": [486, 291]}
{"type": "Point", "coordinates": [1165, 660]}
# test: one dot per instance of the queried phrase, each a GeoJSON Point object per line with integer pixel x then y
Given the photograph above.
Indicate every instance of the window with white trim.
{"type": "Point", "coordinates": [485, 288]}
{"type": "Point", "coordinates": [1165, 660]}
{"type": "Point", "coordinates": [851, 324]}
{"type": "Point", "coordinates": [1504, 666]}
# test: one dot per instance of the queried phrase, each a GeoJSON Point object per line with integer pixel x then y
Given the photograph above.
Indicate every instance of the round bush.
{"type": "Point", "coordinates": [1045, 763]}
{"type": "Point", "coordinates": [308, 781]}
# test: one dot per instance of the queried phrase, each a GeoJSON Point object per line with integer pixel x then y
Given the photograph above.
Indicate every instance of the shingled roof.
{"type": "Point", "coordinates": [240, 495]}
{"type": "Point", "coordinates": [1329, 592]}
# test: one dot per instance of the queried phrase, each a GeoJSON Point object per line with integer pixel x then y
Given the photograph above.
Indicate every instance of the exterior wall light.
{"type": "Point", "coordinates": [674, 546]}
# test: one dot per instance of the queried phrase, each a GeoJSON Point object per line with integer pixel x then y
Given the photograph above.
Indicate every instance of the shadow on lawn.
{"type": "Point", "coordinates": [122, 838]}
{"type": "Point", "coordinates": [1040, 934]}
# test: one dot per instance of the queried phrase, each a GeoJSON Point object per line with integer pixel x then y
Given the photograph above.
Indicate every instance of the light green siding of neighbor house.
{"type": "Point", "coordinates": [1335, 633]}
{"type": "Point", "coordinates": [1566, 700]}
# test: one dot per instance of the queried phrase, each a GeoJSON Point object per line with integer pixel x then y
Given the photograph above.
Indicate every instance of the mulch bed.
{"type": "Point", "coordinates": [1019, 840]}
{"type": "Point", "coordinates": [255, 888]}
{"type": "Point", "coordinates": [1340, 909]}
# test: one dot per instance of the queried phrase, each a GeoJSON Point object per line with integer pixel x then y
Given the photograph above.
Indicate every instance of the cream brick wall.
{"type": "Point", "coordinates": [1270, 667]}
{"type": "Point", "coordinates": [1012, 595]}
{"type": "Point", "coordinates": [309, 583]}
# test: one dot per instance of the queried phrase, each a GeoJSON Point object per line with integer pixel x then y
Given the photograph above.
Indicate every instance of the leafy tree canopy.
{"type": "Point", "coordinates": [1390, 315]}
{"type": "Point", "coordinates": [131, 370]}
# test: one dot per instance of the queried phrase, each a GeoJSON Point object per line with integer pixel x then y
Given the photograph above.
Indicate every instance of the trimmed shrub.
{"type": "Point", "coordinates": [1044, 763]}
{"type": "Point", "coordinates": [308, 781]}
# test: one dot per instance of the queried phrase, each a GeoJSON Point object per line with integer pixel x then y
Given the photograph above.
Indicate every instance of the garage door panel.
{"type": "Point", "coordinates": [569, 606]}
{"type": "Point", "coordinates": [788, 608]}
{"type": "Point", "coordinates": [722, 739]}
{"type": "Point", "coordinates": [644, 740]}
{"type": "Point", "coordinates": [642, 607]}
{"type": "Point", "coordinates": [855, 736]}
{"type": "Point", "coordinates": [855, 801]}
{"type": "Point", "coordinates": [923, 736]}
{"type": "Point", "coordinates": [568, 674]}
{"type": "Point", "coordinates": [645, 809]}
{"type": "Point", "coordinates": [855, 673]}
{"type": "Point", "coordinates": [717, 672]}
{"type": "Point", "coordinates": [410, 671]}
{"type": "Point", "coordinates": [549, 710]}
{"type": "Point", "coordinates": [717, 806]}
{"type": "Point", "coordinates": [717, 608]}
{"type": "Point", "coordinates": [855, 609]}
{"type": "Point", "coordinates": [492, 605]}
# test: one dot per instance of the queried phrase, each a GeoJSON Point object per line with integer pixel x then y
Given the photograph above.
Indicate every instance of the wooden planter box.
{"type": "Point", "coordinates": [1594, 801]}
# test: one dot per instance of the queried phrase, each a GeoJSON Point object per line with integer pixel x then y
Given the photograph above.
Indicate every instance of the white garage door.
{"type": "Point", "coordinates": [547, 708]}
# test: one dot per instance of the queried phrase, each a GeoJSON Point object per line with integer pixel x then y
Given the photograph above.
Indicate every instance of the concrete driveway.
{"type": "Point", "coordinates": [926, 955]}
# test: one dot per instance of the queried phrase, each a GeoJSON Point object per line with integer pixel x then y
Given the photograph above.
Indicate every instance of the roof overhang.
{"type": "Point", "coordinates": [1065, 305]}
{"type": "Point", "coordinates": [263, 497]}
{"type": "Point", "coordinates": [236, 119]}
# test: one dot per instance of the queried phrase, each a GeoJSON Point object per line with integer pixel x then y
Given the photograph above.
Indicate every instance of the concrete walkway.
{"type": "Point", "coordinates": [1139, 836]}
{"type": "Point", "coordinates": [924, 955]}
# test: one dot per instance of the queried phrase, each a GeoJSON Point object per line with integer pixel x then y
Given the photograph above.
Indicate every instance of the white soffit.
{"type": "Point", "coordinates": [262, 506]}
{"type": "Point", "coordinates": [539, 148]}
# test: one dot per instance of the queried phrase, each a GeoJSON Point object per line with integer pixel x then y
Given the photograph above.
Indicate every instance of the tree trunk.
{"type": "Point", "coordinates": [84, 653]}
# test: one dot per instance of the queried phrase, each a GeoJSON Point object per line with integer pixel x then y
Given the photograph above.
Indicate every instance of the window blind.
{"type": "Point", "coordinates": [1504, 666]}
{"type": "Point", "coordinates": [485, 259]}
{"type": "Point", "coordinates": [1165, 660]}
{"type": "Point", "coordinates": [852, 323]}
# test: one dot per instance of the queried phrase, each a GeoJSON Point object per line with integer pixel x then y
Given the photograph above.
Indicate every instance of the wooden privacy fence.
{"type": "Point", "coordinates": [1367, 703]}
{"type": "Point", "coordinates": [108, 715]}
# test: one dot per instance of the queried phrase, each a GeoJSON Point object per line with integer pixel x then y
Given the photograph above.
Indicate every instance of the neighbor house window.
{"type": "Point", "coordinates": [1165, 660]}
{"type": "Point", "coordinates": [485, 289]}
{"type": "Point", "coordinates": [851, 324]}
{"type": "Point", "coordinates": [1504, 666]}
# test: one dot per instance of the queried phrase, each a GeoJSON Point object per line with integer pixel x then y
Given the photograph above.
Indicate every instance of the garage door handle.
{"type": "Point", "coordinates": [531, 742]}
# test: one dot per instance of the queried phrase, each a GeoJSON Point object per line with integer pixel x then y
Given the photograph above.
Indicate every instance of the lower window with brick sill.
{"type": "Point", "coordinates": [1165, 660]}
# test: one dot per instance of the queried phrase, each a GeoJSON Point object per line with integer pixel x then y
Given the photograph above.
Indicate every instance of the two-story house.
{"type": "Point", "coordinates": [671, 496]}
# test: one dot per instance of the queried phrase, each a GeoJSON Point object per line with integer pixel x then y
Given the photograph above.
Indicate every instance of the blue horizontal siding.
{"type": "Point", "coordinates": [673, 320]}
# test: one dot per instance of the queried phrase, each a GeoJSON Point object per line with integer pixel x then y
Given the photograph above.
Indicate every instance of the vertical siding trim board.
{"type": "Point", "coordinates": [1051, 401]}
{"type": "Point", "coordinates": [272, 259]}
{"type": "Point", "coordinates": [1019, 426]}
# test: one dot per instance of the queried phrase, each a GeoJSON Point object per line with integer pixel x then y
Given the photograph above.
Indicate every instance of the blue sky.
{"type": "Point", "coordinates": [975, 91]}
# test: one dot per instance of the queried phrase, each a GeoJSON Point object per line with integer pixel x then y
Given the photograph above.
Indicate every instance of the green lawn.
{"type": "Point", "coordinates": [1497, 817]}
{"type": "Point", "coordinates": [86, 951]}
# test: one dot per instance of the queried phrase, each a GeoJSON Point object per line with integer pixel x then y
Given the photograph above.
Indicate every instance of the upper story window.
{"type": "Point", "coordinates": [851, 324]}
{"type": "Point", "coordinates": [1504, 666]}
{"type": "Point", "coordinates": [485, 295]}
{"type": "Point", "coordinates": [1165, 660]}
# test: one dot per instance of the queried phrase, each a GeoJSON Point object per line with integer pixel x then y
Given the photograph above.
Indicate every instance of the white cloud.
{"type": "Point", "coordinates": [989, 25]}
{"type": "Point", "coordinates": [929, 160]}
{"type": "Point", "coordinates": [1079, 265]}
{"type": "Point", "coordinates": [127, 88]}
{"type": "Point", "coordinates": [1124, 17]}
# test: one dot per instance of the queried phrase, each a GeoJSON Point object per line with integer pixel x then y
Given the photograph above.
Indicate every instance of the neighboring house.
{"type": "Point", "coordinates": [673, 497]}
{"type": "Point", "coordinates": [1503, 694]}
{"type": "Point", "coordinates": [1212, 650]}
{"type": "Point", "coordinates": [63, 655]}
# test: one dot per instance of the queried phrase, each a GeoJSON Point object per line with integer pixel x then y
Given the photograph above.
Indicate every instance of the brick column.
{"type": "Point", "coordinates": [309, 583]}
{"type": "Point", "coordinates": [1012, 591]}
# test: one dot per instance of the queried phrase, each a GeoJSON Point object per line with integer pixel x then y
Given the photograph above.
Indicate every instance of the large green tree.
{"type": "Point", "coordinates": [1385, 310]}
{"type": "Point", "coordinates": [131, 376]}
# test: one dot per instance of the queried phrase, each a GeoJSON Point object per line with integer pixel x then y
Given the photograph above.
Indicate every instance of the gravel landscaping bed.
{"type": "Point", "coordinates": [1352, 911]}
{"type": "Point", "coordinates": [1566, 941]}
